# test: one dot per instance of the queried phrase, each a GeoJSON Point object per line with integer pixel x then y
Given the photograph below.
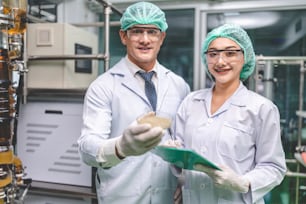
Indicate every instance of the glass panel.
{"type": "Point", "coordinates": [177, 52]}
{"type": "Point", "coordinates": [273, 33]}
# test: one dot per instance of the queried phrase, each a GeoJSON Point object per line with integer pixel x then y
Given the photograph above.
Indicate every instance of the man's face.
{"type": "Point", "coordinates": [143, 43]}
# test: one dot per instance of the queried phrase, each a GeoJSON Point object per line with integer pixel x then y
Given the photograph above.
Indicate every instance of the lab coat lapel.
{"type": "Point", "coordinates": [128, 81]}
{"type": "Point", "coordinates": [131, 83]}
{"type": "Point", "coordinates": [163, 86]}
{"type": "Point", "coordinates": [238, 99]}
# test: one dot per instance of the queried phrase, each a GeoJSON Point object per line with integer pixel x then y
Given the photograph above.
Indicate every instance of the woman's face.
{"type": "Point", "coordinates": [225, 60]}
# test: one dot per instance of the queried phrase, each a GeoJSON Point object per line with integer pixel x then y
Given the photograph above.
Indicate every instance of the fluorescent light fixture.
{"type": "Point", "coordinates": [248, 20]}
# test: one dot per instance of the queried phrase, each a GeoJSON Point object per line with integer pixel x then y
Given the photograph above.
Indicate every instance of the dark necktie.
{"type": "Point", "coordinates": [149, 88]}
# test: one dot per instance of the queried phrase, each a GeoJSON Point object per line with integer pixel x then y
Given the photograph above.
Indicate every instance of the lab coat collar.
{"type": "Point", "coordinates": [122, 70]}
{"type": "Point", "coordinates": [117, 69]}
{"type": "Point", "coordinates": [129, 81]}
{"type": "Point", "coordinates": [239, 98]}
{"type": "Point", "coordinates": [133, 68]}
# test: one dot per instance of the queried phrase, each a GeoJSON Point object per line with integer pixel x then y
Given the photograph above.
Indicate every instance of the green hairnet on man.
{"type": "Point", "coordinates": [143, 13]}
{"type": "Point", "coordinates": [240, 36]}
{"type": "Point", "coordinates": [113, 138]}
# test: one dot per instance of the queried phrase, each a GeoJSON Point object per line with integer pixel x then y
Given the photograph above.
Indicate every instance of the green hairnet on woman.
{"type": "Point", "coordinates": [233, 127]}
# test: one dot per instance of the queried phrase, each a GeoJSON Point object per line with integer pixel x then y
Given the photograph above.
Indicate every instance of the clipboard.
{"type": "Point", "coordinates": [182, 158]}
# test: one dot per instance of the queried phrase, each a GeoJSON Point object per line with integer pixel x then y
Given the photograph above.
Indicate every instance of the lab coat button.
{"type": "Point", "coordinates": [156, 164]}
{"type": "Point", "coordinates": [210, 120]}
{"type": "Point", "coordinates": [202, 186]}
{"type": "Point", "coordinates": [203, 149]}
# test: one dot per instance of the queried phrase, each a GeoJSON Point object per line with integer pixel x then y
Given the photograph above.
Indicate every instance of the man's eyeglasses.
{"type": "Point", "coordinates": [227, 55]}
{"type": "Point", "coordinates": [136, 33]}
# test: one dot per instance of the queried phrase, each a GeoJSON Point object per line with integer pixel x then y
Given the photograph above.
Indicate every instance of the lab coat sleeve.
{"type": "Point", "coordinates": [106, 155]}
{"type": "Point", "coordinates": [176, 171]}
{"type": "Point", "coordinates": [270, 165]}
{"type": "Point", "coordinates": [178, 132]}
{"type": "Point", "coordinates": [180, 121]}
{"type": "Point", "coordinates": [95, 146]}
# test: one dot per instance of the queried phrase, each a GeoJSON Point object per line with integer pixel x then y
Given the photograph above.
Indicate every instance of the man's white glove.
{"type": "Point", "coordinates": [226, 178]}
{"type": "Point", "coordinates": [138, 139]}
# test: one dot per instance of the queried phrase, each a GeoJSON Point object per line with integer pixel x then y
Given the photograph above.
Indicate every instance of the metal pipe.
{"type": "Point", "coordinates": [301, 101]}
{"type": "Point", "coordinates": [300, 124]}
{"type": "Point", "coordinates": [97, 24]}
{"type": "Point", "coordinates": [295, 174]}
{"type": "Point", "coordinates": [106, 4]}
{"type": "Point", "coordinates": [35, 19]}
{"type": "Point", "coordinates": [107, 12]}
{"type": "Point", "coordinates": [291, 161]}
{"type": "Point", "coordinates": [66, 57]}
{"type": "Point", "coordinates": [286, 58]}
{"type": "Point", "coordinates": [268, 80]}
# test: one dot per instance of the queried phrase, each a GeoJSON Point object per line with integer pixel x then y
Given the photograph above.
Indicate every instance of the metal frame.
{"type": "Point", "coordinates": [295, 60]}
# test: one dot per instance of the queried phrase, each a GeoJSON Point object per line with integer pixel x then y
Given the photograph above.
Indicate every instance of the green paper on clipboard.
{"type": "Point", "coordinates": [183, 158]}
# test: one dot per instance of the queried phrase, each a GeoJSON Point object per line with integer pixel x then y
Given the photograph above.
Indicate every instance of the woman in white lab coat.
{"type": "Point", "coordinates": [231, 126]}
{"type": "Point", "coordinates": [111, 139]}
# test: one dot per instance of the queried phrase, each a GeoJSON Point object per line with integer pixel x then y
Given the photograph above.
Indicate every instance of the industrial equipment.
{"type": "Point", "coordinates": [62, 60]}
{"type": "Point", "coordinates": [13, 27]}
{"type": "Point", "coordinates": [59, 73]}
{"type": "Point", "coordinates": [57, 41]}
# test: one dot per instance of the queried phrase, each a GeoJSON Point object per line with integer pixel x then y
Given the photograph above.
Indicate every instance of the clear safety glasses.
{"type": "Point", "coordinates": [212, 56]}
{"type": "Point", "coordinates": [137, 33]}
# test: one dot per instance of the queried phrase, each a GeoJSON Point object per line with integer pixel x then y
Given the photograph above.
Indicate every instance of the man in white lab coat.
{"type": "Point", "coordinates": [111, 139]}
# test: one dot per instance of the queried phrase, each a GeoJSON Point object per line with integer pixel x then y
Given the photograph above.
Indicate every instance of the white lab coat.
{"type": "Point", "coordinates": [244, 134]}
{"type": "Point", "coordinates": [113, 101]}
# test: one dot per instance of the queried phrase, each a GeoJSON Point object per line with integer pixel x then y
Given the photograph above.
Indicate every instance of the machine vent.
{"type": "Point", "coordinates": [47, 143]}
{"type": "Point", "coordinates": [37, 134]}
{"type": "Point", "coordinates": [68, 163]}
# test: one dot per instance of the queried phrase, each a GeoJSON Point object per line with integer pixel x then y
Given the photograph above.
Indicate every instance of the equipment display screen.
{"type": "Point", "coordinates": [83, 65]}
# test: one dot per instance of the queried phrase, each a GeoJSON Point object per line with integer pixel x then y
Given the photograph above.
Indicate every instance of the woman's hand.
{"type": "Point", "coordinates": [226, 178]}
